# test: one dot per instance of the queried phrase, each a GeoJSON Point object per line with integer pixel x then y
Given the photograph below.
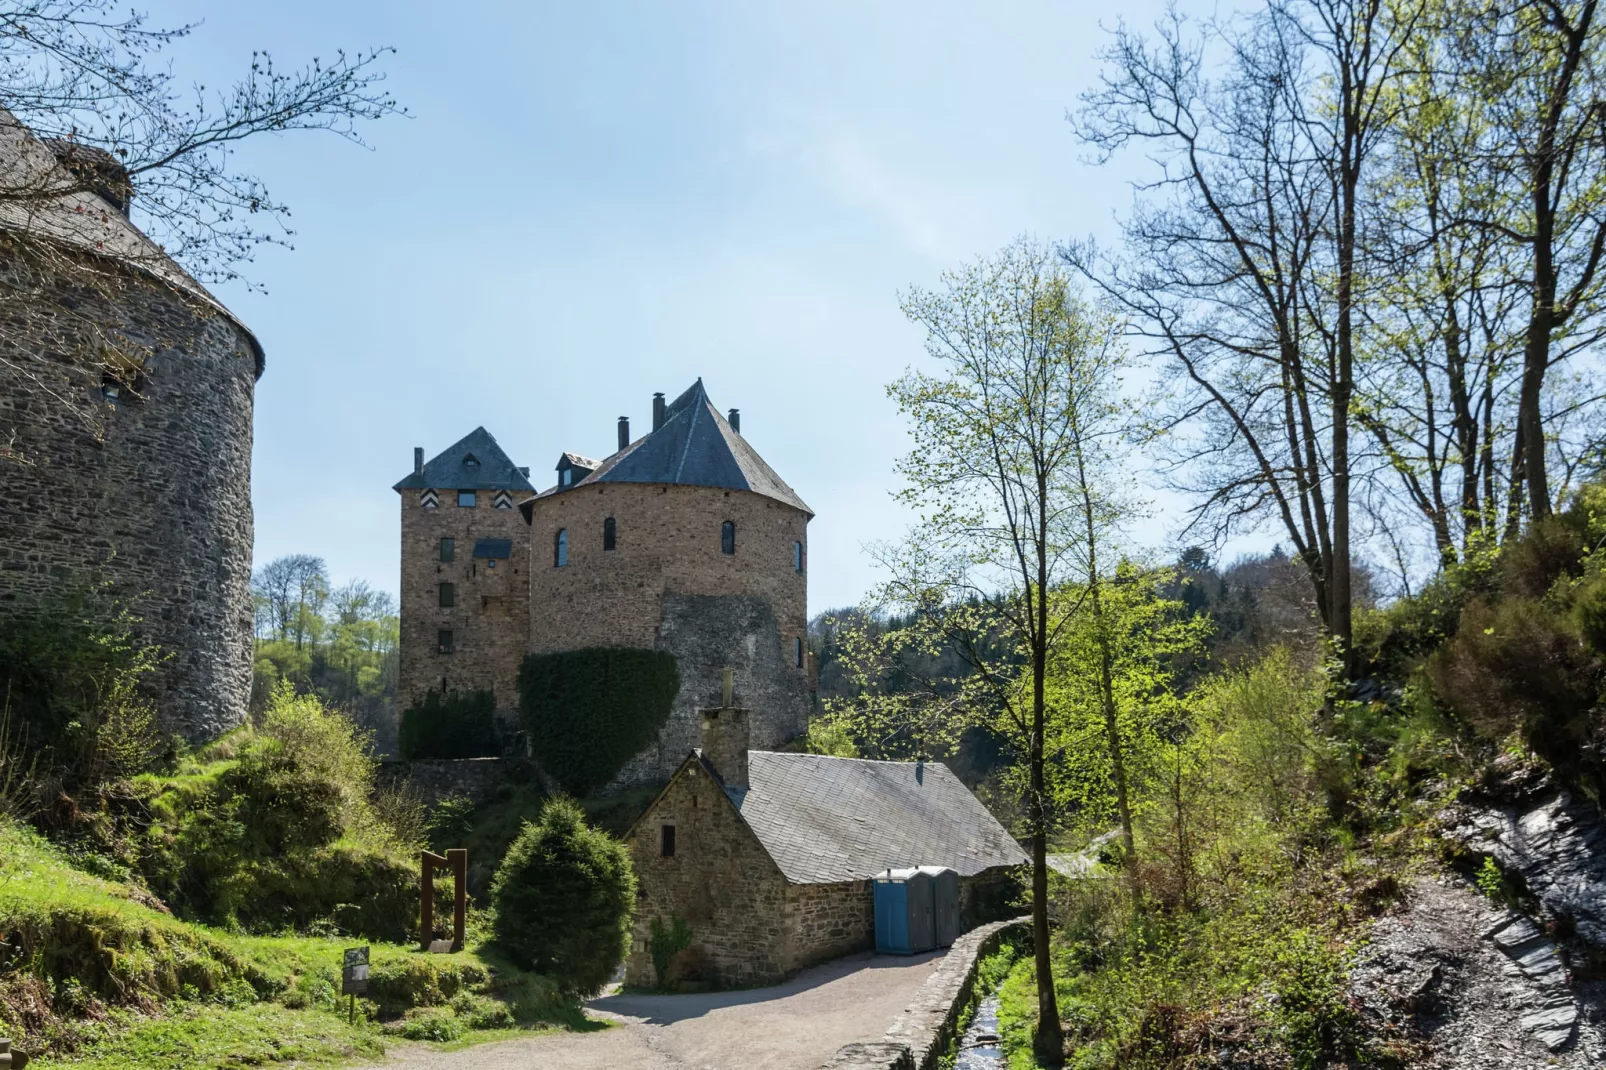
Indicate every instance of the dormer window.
{"type": "Point", "coordinates": [471, 461]}
{"type": "Point", "coordinates": [566, 477]}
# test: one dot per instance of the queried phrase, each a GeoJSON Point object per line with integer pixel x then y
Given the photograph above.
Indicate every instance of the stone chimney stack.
{"type": "Point", "coordinates": [735, 420]}
{"type": "Point", "coordinates": [624, 431]}
{"type": "Point", "coordinates": [725, 738]}
{"type": "Point", "coordinates": [657, 411]}
{"type": "Point", "coordinates": [418, 459]}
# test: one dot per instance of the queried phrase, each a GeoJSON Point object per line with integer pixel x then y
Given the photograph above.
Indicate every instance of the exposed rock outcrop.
{"type": "Point", "coordinates": [1464, 983]}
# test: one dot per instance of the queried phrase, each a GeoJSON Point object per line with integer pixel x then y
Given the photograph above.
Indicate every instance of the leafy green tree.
{"type": "Point", "coordinates": [562, 900]}
{"type": "Point", "coordinates": [1012, 430]}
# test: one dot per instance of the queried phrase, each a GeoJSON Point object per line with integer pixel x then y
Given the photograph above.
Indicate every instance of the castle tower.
{"type": "Point", "coordinates": [126, 395]}
{"type": "Point", "coordinates": [684, 541]}
{"type": "Point", "coordinates": [464, 572]}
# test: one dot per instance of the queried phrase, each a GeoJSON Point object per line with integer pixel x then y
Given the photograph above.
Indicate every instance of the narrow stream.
{"type": "Point", "coordinates": [979, 1048]}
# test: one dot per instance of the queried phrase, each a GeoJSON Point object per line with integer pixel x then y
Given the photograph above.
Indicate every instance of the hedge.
{"type": "Point", "coordinates": [589, 711]}
{"type": "Point", "coordinates": [461, 724]}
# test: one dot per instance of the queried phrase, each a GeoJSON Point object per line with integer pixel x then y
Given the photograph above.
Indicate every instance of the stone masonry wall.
{"type": "Point", "coordinates": [828, 921]}
{"type": "Point", "coordinates": [668, 586]}
{"type": "Point", "coordinates": [719, 880]}
{"type": "Point", "coordinates": [490, 620]}
{"type": "Point", "coordinates": [152, 493]}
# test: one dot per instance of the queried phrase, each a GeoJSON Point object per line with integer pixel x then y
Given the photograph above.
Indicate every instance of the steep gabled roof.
{"type": "Point", "coordinates": [453, 467]}
{"type": "Point", "coordinates": [825, 819]}
{"type": "Point", "coordinates": [694, 447]}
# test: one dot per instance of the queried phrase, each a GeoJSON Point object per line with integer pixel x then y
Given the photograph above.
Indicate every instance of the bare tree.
{"type": "Point", "coordinates": [1242, 259]}
{"type": "Point", "coordinates": [95, 126]}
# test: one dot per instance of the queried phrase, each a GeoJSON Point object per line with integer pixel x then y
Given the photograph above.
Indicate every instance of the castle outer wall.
{"type": "Point", "coordinates": [667, 586]}
{"type": "Point", "coordinates": [489, 619]}
{"type": "Point", "coordinates": [152, 494]}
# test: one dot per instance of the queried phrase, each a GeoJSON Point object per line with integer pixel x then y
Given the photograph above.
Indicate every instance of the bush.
{"type": "Point", "coordinates": [562, 900]}
{"type": "Point", "coordinates": [590, 711]}
{"type": "Point", "coordinates": [665, 943]}
{"type": "Point", "coordinates": [274, 827]}
{"type": "Point", "coordinates": [455, 725]}
{"type": "Point", "coordinates": [71, 679]}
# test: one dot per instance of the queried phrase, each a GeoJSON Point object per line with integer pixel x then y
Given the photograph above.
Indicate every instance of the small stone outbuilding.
{"type": "Point", "coordinates": [768, 857]}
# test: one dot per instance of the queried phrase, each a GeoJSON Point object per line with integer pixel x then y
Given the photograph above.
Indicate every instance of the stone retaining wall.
{"type": "Point", "coordinates": [481, 779]}
{"type": "Point", "coordinates": [924, 1030]}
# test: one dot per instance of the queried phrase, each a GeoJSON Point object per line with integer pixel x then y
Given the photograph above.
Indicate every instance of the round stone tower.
{"type": "Point", "coordinates": [126, 397]}
{"type": "Point", "coordinates": [683, 541]}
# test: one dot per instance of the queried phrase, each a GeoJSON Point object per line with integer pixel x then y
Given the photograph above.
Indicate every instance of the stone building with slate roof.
{"type": "Point", "coordinates": [683, 540]}
{"type": "Point", "coordinates": [768, 857]}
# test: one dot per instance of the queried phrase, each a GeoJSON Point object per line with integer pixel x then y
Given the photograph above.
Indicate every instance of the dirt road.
{"type": "Point", "coordinates": [794, 1026]}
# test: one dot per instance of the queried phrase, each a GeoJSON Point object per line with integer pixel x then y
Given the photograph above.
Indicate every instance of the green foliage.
{"type": "Point", "coordinates": [589, 711]}
{"type": "Point", "coordinates": [70, 680]}
{"type": "Point", "coordinates": [1146, 635]}
{"type": "Point", "coordinates": [665, 942]}
{"type": "Point", "coordinates": [829, 736]}
{"type": "Point", "coordinates": [1489, 879]}
{"type": "Point", "coordinates": [562, 900]}
{"type": "Point", "coordinates": [460, 724]}
{"type": "Point", "coordinates": [280, 833]}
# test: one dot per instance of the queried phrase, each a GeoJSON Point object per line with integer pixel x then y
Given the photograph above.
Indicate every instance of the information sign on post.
{"type": "Point", "coordinates": [354, 977]}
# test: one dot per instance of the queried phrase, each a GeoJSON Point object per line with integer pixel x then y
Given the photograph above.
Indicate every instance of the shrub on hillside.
{"type": "Point", "coordinates": [71, 676]}
{"type": "Point", "coordinates": [562, 899]}
{"type": "Point", "coordinates": [459, 724]}
{"type": "Point", "coordinates": [590, 711]}
{"type": "Point", "coordinates": [274, 827]}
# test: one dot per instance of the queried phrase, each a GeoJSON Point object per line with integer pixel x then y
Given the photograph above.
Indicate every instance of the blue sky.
{"type": "Point", "coordinates": [596, 201]}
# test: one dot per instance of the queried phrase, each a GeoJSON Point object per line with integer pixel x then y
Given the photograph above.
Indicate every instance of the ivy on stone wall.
{"type": "Point", "coordinates": [590, 711]}
{"type": "Point", "coordinates": [461, 724]}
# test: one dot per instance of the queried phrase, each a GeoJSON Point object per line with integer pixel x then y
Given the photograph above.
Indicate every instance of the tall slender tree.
{"type": "Point", "coordinates": [1013, 429]}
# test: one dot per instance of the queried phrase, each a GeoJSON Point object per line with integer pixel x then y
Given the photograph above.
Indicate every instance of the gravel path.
{"type": "Point", "coordinates": [794, 1026]}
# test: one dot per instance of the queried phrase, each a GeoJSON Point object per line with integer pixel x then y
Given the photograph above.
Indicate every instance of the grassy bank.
{"type": "Point", "coordinates": [97, 972]}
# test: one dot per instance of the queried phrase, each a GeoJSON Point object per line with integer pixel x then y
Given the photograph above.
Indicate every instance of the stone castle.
{"type": "Point", "coordinates": [683, 540]}
{"type": "Point", "coordinates": [126, 394]}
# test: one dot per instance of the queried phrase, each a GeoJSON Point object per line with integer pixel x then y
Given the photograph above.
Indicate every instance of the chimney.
{"type": "Point", "coordinates": [725, 738]}
{"type": "Point", "coordinates": [624, 431]}
{"type": "Point", "coordinates": [735, 420]}
{"type": "Point", "coordinates": [657, 411]}
{"type": "Point", "coordinates": [418, 459]}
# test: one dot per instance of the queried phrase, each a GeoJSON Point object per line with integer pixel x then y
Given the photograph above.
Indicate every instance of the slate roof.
{"type": "Point", "coordinates": [502, 548]}
{"type": "Point", "coordinates": [449, 470]}
{"type": "Point", "coordinates": [825, 819]}
{"type": "Point", "coordinates": [694, 447]}
{"type": "Point", "coordinates": [578, 461]}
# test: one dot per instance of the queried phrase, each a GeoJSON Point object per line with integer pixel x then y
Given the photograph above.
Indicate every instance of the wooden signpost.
{"type": "Point", "coordinates": [457, 857]}
{"type": "Point", "coordinates": [354, 978]}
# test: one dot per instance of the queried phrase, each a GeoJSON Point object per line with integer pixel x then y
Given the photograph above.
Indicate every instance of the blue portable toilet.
{"type": "Point", "coordinates": [904, 912]}
{"type": "Point", "coordinates": [944, 904]}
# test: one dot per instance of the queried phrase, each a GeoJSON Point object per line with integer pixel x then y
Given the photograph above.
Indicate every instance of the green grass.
{"type": "Point", "coordinates": [207, 1037]}
{"type": "Point", "coordinates": [106, 978]}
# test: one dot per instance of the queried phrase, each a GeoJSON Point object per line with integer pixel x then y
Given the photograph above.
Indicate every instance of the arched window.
{"type": "Point", "coordinates": [560, 548]}
{"type": "Point", "coordinates": [727, 537]}
{"type": "Point", "coordinates": [610, 534]}
{"type": "Point", "coordinates": [797, 557]}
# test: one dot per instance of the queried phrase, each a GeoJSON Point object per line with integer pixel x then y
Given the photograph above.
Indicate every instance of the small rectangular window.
{"type": "Point", "coordinates": [448, 595]}
{"type": "Point", "coordinates": [448, 549]}
{"type": "Point", "coordinates": [797, 557]}
{"type": "Point", "coordinates": [666, 845]}
{"type": "Point", "coordinates": [465, 499]}
{"type": "Point", "coordinates": [797, 650]}
{"type": "Point", "coordinates": [445, 638]}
